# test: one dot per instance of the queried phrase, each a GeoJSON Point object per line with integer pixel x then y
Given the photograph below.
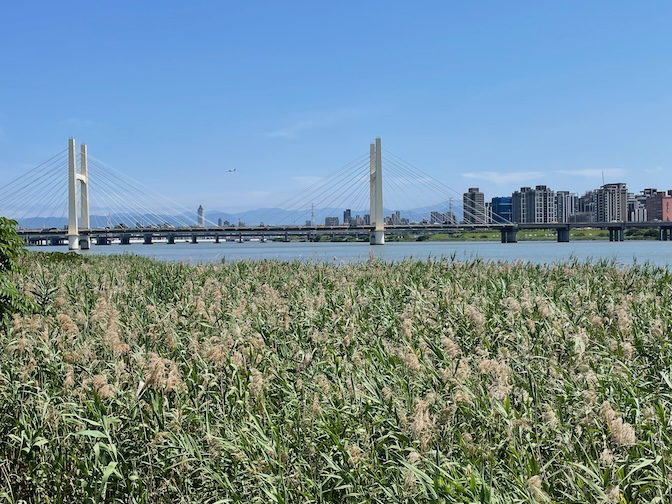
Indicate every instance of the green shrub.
{"type": "Point", "coordinates": [11, 248]}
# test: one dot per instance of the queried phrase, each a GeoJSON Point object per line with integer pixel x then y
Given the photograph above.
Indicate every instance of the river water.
{"type": "Point", "coordinates": [628, 252]}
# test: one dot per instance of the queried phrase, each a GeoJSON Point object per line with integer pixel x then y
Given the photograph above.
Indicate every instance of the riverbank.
{"type": "Point", "coordinates": [587, 234]}
{"type": "Point", "coordinates": [148, 381]}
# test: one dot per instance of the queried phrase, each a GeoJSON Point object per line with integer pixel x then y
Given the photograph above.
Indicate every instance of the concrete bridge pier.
{"type": "Point", "coordinates": [216, 238]}
{"type": "Point", "coordinates": [125, 239]}
{"type": "Point", "coordinates": [376, 212]}
{"type": "Point", "coordinates": [563, 235]}
{"type": "Point", "coordinates": [377, 237]}
{"type": "Point", "coordinates": [84, 242]}
{"type": "Point", "coordinates": [171, 239]}
{"type": "Point", "coordinates": [148, 239]}
{"type": "Point", "coordinates": [286, 237]}
{"type": "Point", "coordinates": [509, 235]}
{"type": "Point", "coordinates": [665, 233]}
{"type": "Point", "coordinates": [102, 240]}
{"type": "Point", "coordinates": [194, 239]}
{"type": "Point", "coordinates": [240, 237]}
{"type": "Point", "coordinates": [616, 234]}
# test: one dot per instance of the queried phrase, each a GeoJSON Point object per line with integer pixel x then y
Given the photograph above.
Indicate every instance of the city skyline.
{"type": "Point", "coordinates": [491, 95]}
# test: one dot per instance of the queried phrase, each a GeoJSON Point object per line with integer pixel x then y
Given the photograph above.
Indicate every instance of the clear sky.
{"type": "Point", "coordinates": [494, 94]}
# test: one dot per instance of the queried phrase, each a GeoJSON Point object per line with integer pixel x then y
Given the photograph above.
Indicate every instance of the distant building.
{"type": "Point", "coordinates": [219, 222]}
{"type": "Point", "coordinates": [473, 204]}
{"type": "Point", "coordinates": [519, 203]}
{"type": "Point", "coordinates": [437, 217]}
{"type": "Point", "coordinates": [637, 208]}
{"type": "Point", "coordinates": [395, 218]}
{"type": "Point", "coordinates": [659, 206]}
{"type": "Point", "coordinates": [587, 208]}
{"type": "Point", "coordinates": [347, 215]}
{"type": "Point", "coordinates": [331, 221]}
{"type": "Point", "coordinates": [612, 203]}
{"type": "Point", "coordinates": [201, 216]}
{"type": "Point", "coordinates": [543, 205]}
{"type": "Point", "coordinates": [501, 209]}
{"type": "Point", "coordinates": [533, 205]}
{"type": "Point", "coordinates": [566, 205]}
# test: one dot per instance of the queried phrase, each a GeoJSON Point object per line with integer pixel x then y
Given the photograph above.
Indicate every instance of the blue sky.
{"type": "Point", "coordinates": [489, 94]}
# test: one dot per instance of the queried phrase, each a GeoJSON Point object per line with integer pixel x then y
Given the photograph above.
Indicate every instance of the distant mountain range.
{"type": "Point", "coordinates": [267, 216]}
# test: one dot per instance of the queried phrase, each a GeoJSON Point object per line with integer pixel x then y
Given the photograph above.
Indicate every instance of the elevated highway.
{"type": "Point", "coordinates": [170, 235]}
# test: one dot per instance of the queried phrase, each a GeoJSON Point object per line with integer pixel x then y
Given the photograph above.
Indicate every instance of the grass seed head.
{"type": "Point", "coordinates": [622, 433]}
{"type": "Point", "coordinates": [534, 486]}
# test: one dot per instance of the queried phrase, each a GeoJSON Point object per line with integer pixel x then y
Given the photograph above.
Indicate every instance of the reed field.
{"type": "Point", "coordinates": [433, 381]}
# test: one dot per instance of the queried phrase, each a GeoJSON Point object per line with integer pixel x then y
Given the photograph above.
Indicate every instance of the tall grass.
{"type": "Point", "coordinates": [435, 381]}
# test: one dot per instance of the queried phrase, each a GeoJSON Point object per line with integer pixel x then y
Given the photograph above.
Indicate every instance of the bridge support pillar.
{"type": "Point", "coordinates": [125, 239]}
{"type": "Point", "coordinates": [216, 238]}
{"type": "Point", "coordinates": [616, 234]}
{"type": "Point", "coordinates": [171, 239]}
{"type": "Point", "coordinates": [148, 239]}
{"type": "Point", "coordinates": [194, 239]}
{"type": "Point", "coordinates": [102, 240]}
{"type": "Point", "coordinates": [509, 235]}
{"type": "Point", "coordinates": [286, 237]}
{"type": "Point", "coordinates": [563, 235]}
{"type": "Point", "coordinates": [73, 176]}
{"type": "Point", "coordinates": [665, 233]}
{"type": "Point", "coordinates": [85, 242]}
{"type": "Point", "coordinates": [376, 212]}
{"type": "Point", "coordinates": [377, 237]}
{"type": "Point", "coordinates": [240, 237]}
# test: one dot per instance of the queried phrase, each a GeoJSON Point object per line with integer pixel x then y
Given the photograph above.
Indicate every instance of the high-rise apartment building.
{"type": "Point", "coordinates": [659, 206]}
{"type": "Point", "coordinates": [200, 216]}
{"type": "Point", "coordinates": [533, 205]}
{"type": "Point", "coordinates": [347, 215]}
{"type": "Point", "coordinates": [543, 203]}
{"type": "Point", "coordinates": [612, 203]}
{"type": "Point", "coordinates": [566, 205]}
{"type": "Point", "coordinates": [519, 205]}
{"type": "Point", "coordinates": [473, 204]}
{"type": "Point", "coordinates": [501, 209]}
{"type": "Point", "coordinates": [331, 221]}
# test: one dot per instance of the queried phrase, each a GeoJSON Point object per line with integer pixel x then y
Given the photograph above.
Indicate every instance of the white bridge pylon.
{"type": "Point", "coordinates": [377, 235]}
{"type": "Point", "coordinates": [75, 241]}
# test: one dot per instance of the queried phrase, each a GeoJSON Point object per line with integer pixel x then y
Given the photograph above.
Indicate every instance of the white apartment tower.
{"type": "Point", "coordinates": [612, 203]}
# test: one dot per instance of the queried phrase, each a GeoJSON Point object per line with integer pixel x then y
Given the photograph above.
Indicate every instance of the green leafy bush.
{"type": "Point", "coordinates": [11, 248]}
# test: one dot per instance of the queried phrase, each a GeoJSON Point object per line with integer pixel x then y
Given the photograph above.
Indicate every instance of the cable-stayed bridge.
{"type": "Point", "coordinates": [76, 199]}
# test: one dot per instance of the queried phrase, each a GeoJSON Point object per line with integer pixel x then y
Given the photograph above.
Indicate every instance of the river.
{"type": "Point", "coordinates": [628, 252]}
